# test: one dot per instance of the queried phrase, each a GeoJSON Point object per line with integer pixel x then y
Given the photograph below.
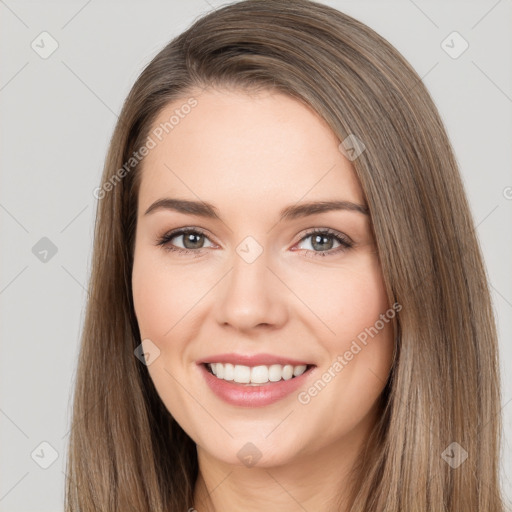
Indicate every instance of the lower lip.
{"type": "Point", "coordinates": [244, 395]}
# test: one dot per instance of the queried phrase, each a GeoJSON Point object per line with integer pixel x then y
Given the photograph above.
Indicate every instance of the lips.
{"type": "Point", "coordinates": [253, 394]}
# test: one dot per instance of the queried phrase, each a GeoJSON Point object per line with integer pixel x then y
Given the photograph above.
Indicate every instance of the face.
{"type": "Point", "coordinates": [234, 266]}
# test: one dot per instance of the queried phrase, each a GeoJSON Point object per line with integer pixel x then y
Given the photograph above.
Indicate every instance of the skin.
{"type": "Point", "coordinates": [251, 155]}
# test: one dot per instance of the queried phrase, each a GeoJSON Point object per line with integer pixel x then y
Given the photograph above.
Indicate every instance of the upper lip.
{"type": "Point", "coordinates": [252, 360]}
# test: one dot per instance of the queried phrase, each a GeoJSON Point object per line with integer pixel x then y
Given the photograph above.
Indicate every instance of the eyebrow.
{"type": "Point", "coordinates": [207, 210]}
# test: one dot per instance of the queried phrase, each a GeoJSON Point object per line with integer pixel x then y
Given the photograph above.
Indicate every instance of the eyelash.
{"type": "Point", "coordinates": [344, 241]}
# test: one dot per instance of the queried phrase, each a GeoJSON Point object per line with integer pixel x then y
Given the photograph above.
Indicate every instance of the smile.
{"type": "Point", "coordinates": [255, 375]}
{"type": "Point", "coordinates": [262, 381]}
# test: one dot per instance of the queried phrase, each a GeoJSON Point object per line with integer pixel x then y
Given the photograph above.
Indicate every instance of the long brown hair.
{"type": "Point", "coordinates": [126, 452]}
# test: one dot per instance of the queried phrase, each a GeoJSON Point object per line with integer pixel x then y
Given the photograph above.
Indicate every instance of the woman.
{"type": "Point", "coordinates": [288, 307]}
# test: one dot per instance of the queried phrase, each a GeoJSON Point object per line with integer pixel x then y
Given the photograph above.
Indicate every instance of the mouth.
{"type": "Point", "coordinates": [259, 375]}
{"type": "Point", "coordinates": [258, 385]}
{"type": "Point", "coordinates": [255, 380]}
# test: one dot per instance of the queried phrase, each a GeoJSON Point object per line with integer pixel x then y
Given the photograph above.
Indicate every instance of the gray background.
{"type": "Point", "coordinates": [57, 117]}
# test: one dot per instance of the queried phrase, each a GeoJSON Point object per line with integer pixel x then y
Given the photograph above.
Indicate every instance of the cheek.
{"type": "Point", "coordinates": [153, 302]}
{"type": "Point", "coordinates": [347, 299]}
{"type": "Point", "coordinates": [161, 302]}
{"type": "Point", "coordinates": [361, 299]}
{"type": "Point", "coordinates": [161, 296]}
{"type": "Point", "coordinates": [364, 327]}
{"type": "Point", "coordinates": [352, 303]}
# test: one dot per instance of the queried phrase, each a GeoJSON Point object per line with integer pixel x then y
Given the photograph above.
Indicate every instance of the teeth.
{"type": "Point", "coordinates": [275, 372]}
{"type": "Point", "coordinates": [259, 374]}
{"type": "Point", "coordinates": [229, 371]}
{"type": "Point", "coordinates": [256, 374]}
{"type": "Point", "coordinates": [242, 374]}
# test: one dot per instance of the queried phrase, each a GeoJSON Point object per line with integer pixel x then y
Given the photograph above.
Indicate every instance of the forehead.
{"type": "Point", "coordinates": [229, 146]}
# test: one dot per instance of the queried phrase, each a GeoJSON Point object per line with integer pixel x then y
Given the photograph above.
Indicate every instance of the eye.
{"type": "Point", "coordinates": [192, 240]}
{"type": "Point", "coordinates": [323, 242]}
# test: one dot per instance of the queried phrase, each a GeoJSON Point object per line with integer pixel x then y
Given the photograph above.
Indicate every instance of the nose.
{"type": "Point", "coordinates": [251, 296]}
